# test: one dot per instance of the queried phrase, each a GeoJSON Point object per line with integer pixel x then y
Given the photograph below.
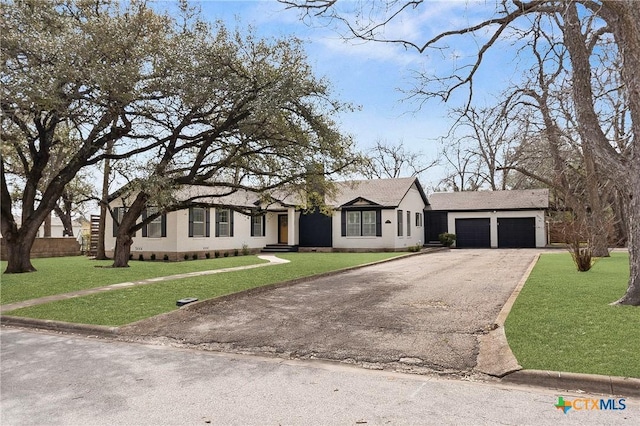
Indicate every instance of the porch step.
{"type": "Point", "coordinates": [433, 244]}
{"type": "Point", "coordinates": [279, 248]}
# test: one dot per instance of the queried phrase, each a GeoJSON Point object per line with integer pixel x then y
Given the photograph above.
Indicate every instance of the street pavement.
{"type": "Point", "coordinates": [58, 379]}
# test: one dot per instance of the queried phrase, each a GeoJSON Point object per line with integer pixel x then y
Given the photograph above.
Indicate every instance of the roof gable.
{"type": "Point", "coordinates": [382, 192]}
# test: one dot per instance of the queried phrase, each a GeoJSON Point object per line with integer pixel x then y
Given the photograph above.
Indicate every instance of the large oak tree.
{"type": "Point", "coordinates": [175, 99]}
{"type": "Point", "coordinates": [86, 66]}
{"type": "Point", "coordinates": [239, 114]}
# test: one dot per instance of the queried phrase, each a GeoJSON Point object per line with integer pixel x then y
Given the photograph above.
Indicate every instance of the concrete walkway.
{"type": "Point", "coordinates": [273, 260]}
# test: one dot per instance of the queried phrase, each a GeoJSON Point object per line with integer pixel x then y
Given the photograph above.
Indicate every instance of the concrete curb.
{"type": "Point", "coordinates": [592, 383]}
{"type": "Point", "coordinates": [60, 326]}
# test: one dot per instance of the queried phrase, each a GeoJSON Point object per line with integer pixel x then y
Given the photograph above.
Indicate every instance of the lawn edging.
{"type": "Point", "coordinates": [59, 326]}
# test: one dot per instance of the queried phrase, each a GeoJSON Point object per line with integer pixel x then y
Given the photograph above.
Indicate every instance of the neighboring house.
{"type": "Point", "coordinates": [383, 214]}
{"type": "Point", "coordinates": [489, 218]}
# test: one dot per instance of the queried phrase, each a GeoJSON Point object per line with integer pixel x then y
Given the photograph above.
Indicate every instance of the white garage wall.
{"type": "Point", "coordinates": [541, 235]}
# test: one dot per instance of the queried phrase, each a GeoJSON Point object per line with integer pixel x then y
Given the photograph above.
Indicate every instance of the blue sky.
{"type": "Point", "coordinates": [370, 75]}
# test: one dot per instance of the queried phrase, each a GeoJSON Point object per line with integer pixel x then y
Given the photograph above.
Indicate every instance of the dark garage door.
{"type": "Point", "coordinates": [516, 232]}
{"type": "Point", "coordinates": [473, 233]}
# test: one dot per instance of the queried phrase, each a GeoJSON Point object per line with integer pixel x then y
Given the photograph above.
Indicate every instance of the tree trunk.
{"type": "Point", "coordinates": [100, 250]}
{"type": "Point", "coordinates": [67, 223]}
{"type": "Point", "coordinates": [632, 295]}
{"type": "Point", "coordinates": [624, 170]}
{"type": "Point", "coordinates": [19, 251]}
{"type": "Point", "coordinates": [47, 226]}
{"type": "Point", "coordinates": [126, 231]}
{"type": "Point", "coordinates": [123, 250]}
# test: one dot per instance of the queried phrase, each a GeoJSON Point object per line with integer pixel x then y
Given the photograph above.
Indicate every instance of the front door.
{"type": "Point", "coordinates": [283, 229]}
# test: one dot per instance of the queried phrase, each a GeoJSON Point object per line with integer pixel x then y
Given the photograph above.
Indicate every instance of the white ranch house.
{"type": "Point", "coordinates": [368, 215]}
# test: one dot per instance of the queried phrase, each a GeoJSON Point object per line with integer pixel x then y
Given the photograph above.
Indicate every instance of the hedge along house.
{"type": "Point", "coordinates": [368, 215]}
{"type": "Point", "coordinates": [483, 219]}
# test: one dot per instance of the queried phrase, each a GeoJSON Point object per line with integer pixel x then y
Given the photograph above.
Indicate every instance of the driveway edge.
{"type": "Point", "coordinates": [60, 326]}
{"type": "Point", "coordinates": [495, 357]}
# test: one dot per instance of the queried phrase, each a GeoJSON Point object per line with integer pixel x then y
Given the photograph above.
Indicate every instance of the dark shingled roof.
{"type": "Point", "coordinates": [528, 199]}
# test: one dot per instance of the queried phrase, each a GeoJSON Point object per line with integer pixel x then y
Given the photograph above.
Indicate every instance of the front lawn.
{"type": "Point", "coordinates": [120, 307]}
{"type": "Point", "coordinates": [56, 275]}
{"type": "Point", "coordinates": [562, 320]}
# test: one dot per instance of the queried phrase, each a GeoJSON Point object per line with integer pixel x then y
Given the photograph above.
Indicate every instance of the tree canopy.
{"type": "Point", "coordinates": [175, 99]}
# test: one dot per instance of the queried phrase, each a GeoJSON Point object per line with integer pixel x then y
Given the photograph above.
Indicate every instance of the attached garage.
{"type": "Point", "coordinates": [516, 232]}
{"type": "Point", "coordinates": [473, 233]}
{"type": "Point", "coordinates": [483, 219]}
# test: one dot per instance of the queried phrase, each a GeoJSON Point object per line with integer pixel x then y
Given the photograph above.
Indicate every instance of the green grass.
{"type": "Point", "coordinates": [120, 307]}
{"type": "Point", "coordinates": [562, 320]}
{"type": "Point", "coordinates": [64, 274]}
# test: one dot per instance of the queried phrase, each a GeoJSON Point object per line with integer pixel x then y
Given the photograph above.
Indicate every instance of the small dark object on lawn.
{"type": "Point", "coordinates": [186, 301]}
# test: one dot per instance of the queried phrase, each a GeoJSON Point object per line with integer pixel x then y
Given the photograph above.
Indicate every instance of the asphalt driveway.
{"type": "Point", "coordinates": [418, 313]}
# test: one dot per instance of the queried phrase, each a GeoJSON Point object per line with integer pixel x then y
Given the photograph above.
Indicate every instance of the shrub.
{"type": "Point", "coordinates": [130, 256]}
{"type": "Point", "coordinates": [415, 248]}
{"type": "Point", "coordinates": [216, 254]}
{"type": "Point", "coordinates": [236, 252]}
{"type": "Point", "coordinates": [165, 257]}
{"type": "Point", "coordinates": [153, 256]}
{"type": "Point", "coordinates": [141, 257]}
{"type": "Point", "coordinates": [194, 256]}
{"type": "Point", "coordinates": [226, 254]}
{"type": "Point", "coordinates": [447, 239]}
{"type": "Point", "coordinates": [245, 250]}
{"type": "Point", "coordinates": [186, 256]}
{"type": "Point", "coordinates": [207, 255]}
{"type": "Point", "coordinates": [582, 256]}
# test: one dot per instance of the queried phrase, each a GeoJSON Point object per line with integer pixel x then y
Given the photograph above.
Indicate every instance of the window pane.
{"type": "Point", "coordinates": [198, 221]}
{"type": "Point", "coordinates": [198, 215]}
{"type": "Point", "coordinates": [256, 223]}
{"type": "Point", "coordinates": [154, 229]}
{"type": "Point", "coordinates": [408, 224]}
{"type": "Point", "coordinates": [223, 222]}
{"type": "Point", "coordinates": [369, 224]}
{"type": "Point", "coordinates": [353, 224]}
{"type": "Point", "coordinates": [400, 223]}
{"type": "Point", "coordinates": [198, 229]}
